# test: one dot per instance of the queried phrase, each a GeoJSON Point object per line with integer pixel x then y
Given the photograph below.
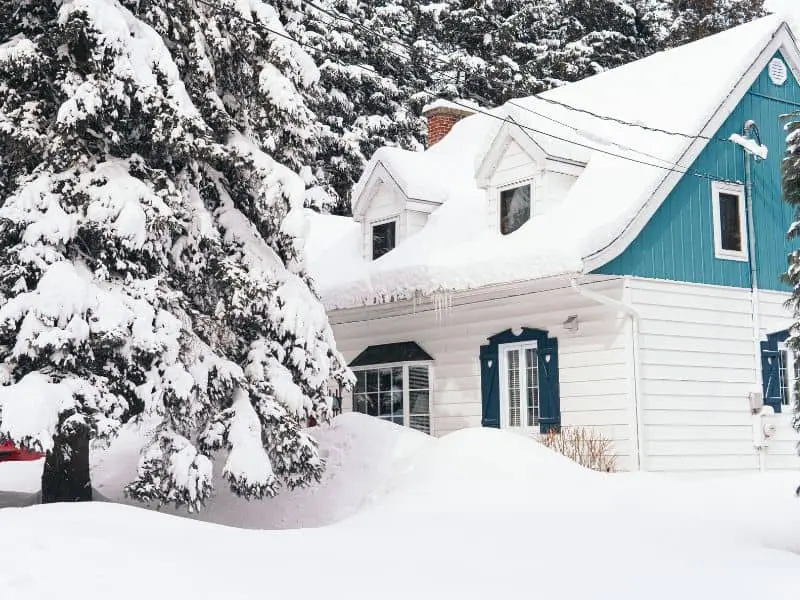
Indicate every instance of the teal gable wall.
{"type": "Point", "coordinates": [678, 241]}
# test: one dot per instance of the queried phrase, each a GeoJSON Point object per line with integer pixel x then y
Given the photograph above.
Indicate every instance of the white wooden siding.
{"type": "Point", "coordinates": [388, 202]}
{"type": "Point", "coordinates": [515, 165]}
{"type": "Point", "coordinates": [697, 367]}
{"type": "Point", "coordinates": [548, 187]}
{"type": "Point", "coordinates": [595, 382]}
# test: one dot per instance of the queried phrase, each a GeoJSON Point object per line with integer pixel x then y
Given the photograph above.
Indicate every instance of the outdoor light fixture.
{"type": "Point", "coordinates": [571, 323]}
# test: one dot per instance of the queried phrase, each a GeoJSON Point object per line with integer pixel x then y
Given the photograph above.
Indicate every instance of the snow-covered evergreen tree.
{"type": "Point", "coordinates": [504, 49]}
{"type": "Point", "coordinates": [695, 19]}
{"type": "Point", "coordinates": [791, 194]}
{"type": "Point", "coordinates": [363, 102]}
{"type": "Point", "coordinates": [151, 244]}
{"type": "Point", "coordinates": [603, 34]}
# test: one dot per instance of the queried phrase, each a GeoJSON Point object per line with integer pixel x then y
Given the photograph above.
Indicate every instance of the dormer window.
{"type": "Point", "coordinates": [515, 208]}
{"type": "Point", "coordinates": [384, 236]}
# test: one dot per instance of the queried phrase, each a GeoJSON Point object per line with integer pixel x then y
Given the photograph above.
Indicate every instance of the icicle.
{"type": "Point", "coordinates": [442, 303]}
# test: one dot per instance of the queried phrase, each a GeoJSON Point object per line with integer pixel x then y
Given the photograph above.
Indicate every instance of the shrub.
{"type": "Point", "coordinates": [585, 446]}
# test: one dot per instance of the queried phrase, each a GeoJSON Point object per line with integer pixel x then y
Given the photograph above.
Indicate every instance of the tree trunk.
{"type": "Point", "coordinates": [66, 475]}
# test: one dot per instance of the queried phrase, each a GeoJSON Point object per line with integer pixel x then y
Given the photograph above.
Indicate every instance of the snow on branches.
{"type": "Point", "coordinates": [151, 241]}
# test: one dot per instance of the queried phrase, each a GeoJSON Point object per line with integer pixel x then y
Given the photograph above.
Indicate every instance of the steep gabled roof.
{"type": "Point", "coordinates": [628, 173]}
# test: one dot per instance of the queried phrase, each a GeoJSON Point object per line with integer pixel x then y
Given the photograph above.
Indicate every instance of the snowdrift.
{"type": "Point", "coordinates": [479, 513]}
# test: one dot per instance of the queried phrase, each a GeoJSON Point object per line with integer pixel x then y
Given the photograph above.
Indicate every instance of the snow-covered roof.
{"type": "Point", "coordinates": [687, 90]}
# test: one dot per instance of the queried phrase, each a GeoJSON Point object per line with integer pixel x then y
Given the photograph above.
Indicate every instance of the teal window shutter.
{"type": "Point", "coordinates": [549, 395]}
{"type": "Point", "coordinates": [490, 387]}
{"type": "Point", "coordinates": [771, 369]}
{"type": "Point", "coordinates": [547, 368]}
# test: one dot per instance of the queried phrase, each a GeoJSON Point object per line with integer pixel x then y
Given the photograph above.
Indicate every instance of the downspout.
{"type": "Point", "coordinates": [751, 127]}
{"type": "Point", "coordinates": [633, 314]}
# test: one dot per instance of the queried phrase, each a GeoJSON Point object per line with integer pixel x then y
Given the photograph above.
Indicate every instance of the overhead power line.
{"type": "Point", "coordinates": [220, 10]}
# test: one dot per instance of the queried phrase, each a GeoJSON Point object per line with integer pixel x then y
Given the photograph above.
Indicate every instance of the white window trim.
{"type": "Point", "coordinates": [790, 369]}
{"type": "Point", "coordinates": [718, 187]}
{"type": "Point", "coordinates": [372, 224]}
{"type": "Point", "coordinates": [406, 391]}
{"type": "Point", "coordinates": [502, 350]}
{"type": "Point", "coordinates": [510, 186]}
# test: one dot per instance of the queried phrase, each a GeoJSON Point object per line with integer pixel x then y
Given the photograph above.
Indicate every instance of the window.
{"type": "Point", "coordinates": [397, 393]}
{"type": "Point", "coordinates": [515, 208]}
{"type": "Point", "coordinates": [779, 371]}
{"type": "Point", "coordinates": [519, 380]}
{"type": "Point", "coordinates": [519, 391]}
{"type": "Point", "coordinates": [730, 224]}
{"type": "Point", "coordinates": [383, 238]}
{"type": "Point", "coordinates": [789, 370]}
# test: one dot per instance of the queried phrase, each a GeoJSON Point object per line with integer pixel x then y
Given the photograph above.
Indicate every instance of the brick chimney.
{"type": "Point", "coordinates": [441, 116]}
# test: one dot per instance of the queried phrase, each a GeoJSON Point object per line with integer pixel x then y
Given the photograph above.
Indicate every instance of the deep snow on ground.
{"type": "Point", "coordinates": [479, 513]}
{"type": "Point", "coordinates": [361, 453]}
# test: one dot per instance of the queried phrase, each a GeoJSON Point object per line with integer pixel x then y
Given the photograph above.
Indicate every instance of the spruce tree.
{"type": "Point", "coordinates": [791, 194]}
{"type": "Point", "coordinates": [696, 19]}
{"type": "Point", "coordinates": [362, 101]}
{"type": "Point", "coordinates": [154, 162]}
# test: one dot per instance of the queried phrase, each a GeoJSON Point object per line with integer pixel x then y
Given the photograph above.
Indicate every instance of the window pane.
{"type": "Point", "coordinates": [420, 423]}
{"type": "Point", "coordinates": [513, 382]}
{"type": "Point", "coordinates": [361, 382]}
{"type": "Point", "coordinates": [418, 402]}
{"type": "Point", "coordinates": [418, 378]}
{"type": "Point", "coordinates": [397, 420]}
{"type": "Point", "coordinates": [385, 403]}
{"type": "Point", "coordinates": [372, 405]}
{"type": "Point", "coordinates": [360, 403]}
{"type": "Point", "coordinates": [532, 392]}
{"type": "Point", "coordinates": [397, 403]}
{"type": "Point", "coordinates": [515, 208]}
{"type": "Point", "coordinates": [397, 379]}
{"type": "Point", "coordinates": [786, 379]}
{"type": "Point", "coordinates": [385, 380]}
{"type": "Point", "coordinates": [383, 239]}
{"type": "Point", "coordinates": [372, 381]}
{"type": "Point", "coordinates": [730, 223]}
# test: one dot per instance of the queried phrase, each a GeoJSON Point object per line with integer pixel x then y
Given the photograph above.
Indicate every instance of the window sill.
{"type": "Point", "coordinates": [728, 255]}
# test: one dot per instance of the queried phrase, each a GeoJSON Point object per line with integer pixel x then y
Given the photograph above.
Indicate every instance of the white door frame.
{"type": "Point", "coordinates": [502, 351]}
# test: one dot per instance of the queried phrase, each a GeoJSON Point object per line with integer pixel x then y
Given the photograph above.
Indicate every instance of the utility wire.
{"type": "Point", "coordinates": [264, 29]}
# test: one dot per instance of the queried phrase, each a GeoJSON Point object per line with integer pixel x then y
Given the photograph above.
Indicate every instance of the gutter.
{"type": "Point", "coordinates": [633, 314]}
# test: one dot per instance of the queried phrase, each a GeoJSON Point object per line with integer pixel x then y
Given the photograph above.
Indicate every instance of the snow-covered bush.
{"type": "Point", "coordinates": [151, 244]}
{"type": "Point", "coordinates": [584, 446]}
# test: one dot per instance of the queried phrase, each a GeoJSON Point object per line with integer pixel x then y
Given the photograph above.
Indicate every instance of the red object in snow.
{"type": "Point", "coordinates": [8, 452]}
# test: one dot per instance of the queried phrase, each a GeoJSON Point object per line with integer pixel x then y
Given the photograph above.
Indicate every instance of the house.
{"type": "Point", "coordinates": [607, 255]}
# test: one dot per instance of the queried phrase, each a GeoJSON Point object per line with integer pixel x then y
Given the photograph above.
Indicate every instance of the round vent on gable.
{"type": "Point", "coordinates": [777, 71]}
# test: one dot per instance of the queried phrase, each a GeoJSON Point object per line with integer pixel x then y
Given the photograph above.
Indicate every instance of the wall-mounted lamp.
{"type": "Point", "coordinates": [571, 324]}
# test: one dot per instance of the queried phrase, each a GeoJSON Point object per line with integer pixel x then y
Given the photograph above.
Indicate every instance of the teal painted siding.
{"type": "Point", "coordinates": [678, 242]}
